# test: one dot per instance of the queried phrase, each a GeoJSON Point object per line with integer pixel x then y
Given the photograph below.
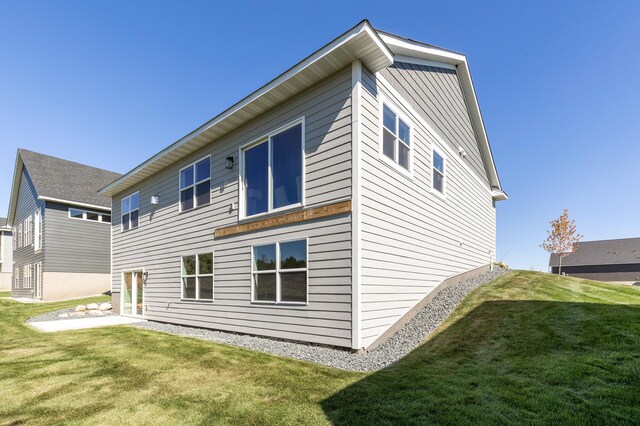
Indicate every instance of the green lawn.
{"type": "Point", "coordinates": [5, 294]}
{"type": "Point", "coordinates": [527, 348]}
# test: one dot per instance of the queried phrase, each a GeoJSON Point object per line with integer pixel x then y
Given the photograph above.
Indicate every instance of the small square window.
{"type": "Point", "coordinates": [195, 185]}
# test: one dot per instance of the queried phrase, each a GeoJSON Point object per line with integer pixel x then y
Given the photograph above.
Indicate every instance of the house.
{"type": "Point", "coordinates": [6, 255]}
{"type": "Point", "coordinates": [324, 207]}
{"type": "Point", "coordinates": [605, 260]}
{"type": "Point", "coordinates": [61, 240]}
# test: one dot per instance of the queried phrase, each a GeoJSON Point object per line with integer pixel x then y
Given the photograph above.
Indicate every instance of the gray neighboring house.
{"type": "Point", "coordinates": [605, 260]}
{"type": "Point", "coordinates": [61, 240]}
{"type": "Point", "coordinates": [325, 207]}
{"type": "Point", "coordinates": [6, 255]}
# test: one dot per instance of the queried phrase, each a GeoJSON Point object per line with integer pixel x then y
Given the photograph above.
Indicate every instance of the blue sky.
{"type": "Point", "coordinates": [111, 83]}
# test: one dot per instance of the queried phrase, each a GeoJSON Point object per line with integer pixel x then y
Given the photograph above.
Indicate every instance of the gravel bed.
{"type": "Point", "coordinates": [396, 347]}
{"type": "Point", "coordinates": [54, 315]}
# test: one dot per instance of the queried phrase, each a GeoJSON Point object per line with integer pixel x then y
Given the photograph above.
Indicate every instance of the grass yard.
{"type": "Point", "coordinates": [526, 348]}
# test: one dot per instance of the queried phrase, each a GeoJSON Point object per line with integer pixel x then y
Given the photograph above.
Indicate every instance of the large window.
{"type": "Point", "coordinates": [396, 138]}
{"type": "Point", "coordinates": [279, 272]}
{"type": "Point", "coordinates": [197, 276]}
{"type": "Point", "coordinates": [89, 215]}
{"type": "Point", "coordinates": [272, 172]}
{"type": "Point", "coordinates": [130, 211]}
{"type": "Point", "coordinates": [438, 172]}
{"type": "Point", "coordinates": [195, 184]}
{"type": "Point", "coordinates": [28, 231]}
{"type": "Point", "coordinates": [37, 230]}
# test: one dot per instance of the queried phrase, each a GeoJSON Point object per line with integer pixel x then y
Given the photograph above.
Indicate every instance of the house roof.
{"type": "Point", "coordinates": [61, 180]}
{"type": "Point", "coordinates": [375, 49]}
{"type": "Point", "coordinates": [604, 252]}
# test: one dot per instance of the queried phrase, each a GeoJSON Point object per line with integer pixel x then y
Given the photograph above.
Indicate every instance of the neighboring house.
{"type": "Point", "coordinates": [61, 241]}
{"type": "Point", "coordinates": [606, 260]}
{"type": "Point", "coordinates": [324, 207]}
{"type": "Point", "coordinates": [6, 255]}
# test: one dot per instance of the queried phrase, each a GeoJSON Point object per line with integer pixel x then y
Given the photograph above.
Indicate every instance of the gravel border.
{"type": "Point", "coordinates": [396, 347]}
{"type": "Point", "coordinates": [54, 316]}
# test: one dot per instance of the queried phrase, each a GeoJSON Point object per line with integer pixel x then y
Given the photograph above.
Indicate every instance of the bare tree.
{"type": "Point", "coordinates": [562, 239]}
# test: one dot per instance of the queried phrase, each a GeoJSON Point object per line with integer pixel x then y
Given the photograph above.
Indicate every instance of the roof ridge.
{"type": "Point", "coordinates": [21, 150]}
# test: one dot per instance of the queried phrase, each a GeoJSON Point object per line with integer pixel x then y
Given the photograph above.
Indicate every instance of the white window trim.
{"type": "Point", "coordinates": [277, 271]}
{"type": "Point", "coordinates": [197, 277]}
{"type": "Point", "coordinates": [267, 139]}
{"type": "Point", "coordinates": [194, 185]}
{"type": "Point", "coordinates": [383, 100]}
{"type": "Point", "coordinates": [84, 214]}
{"type": "Point", "coordinates": [442, 194]}
{"type": "Point", "coordinates": [130, 211]}
{"type": "Point", "coordinates": [37, 230]}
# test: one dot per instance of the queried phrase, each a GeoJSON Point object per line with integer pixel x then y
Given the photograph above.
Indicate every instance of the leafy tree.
{"type": "Point", "coordinates": [562, 239]}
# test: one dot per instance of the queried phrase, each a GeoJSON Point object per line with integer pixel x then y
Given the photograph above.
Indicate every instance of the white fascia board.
{"type": "Point", "coordinates": [498, 195]}
{"type": "Point", "coordinates": [403, 48]}
{"type": "Point", "coordinates": [74, 203]}
{"type": "Point", "coordinates": [364, 26]}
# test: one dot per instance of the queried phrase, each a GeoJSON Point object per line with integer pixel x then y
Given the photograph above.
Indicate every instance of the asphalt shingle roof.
{"type": "Point", "coordinates": [67, 180]}
{"type": "Point", "coordinates": [604, 252]}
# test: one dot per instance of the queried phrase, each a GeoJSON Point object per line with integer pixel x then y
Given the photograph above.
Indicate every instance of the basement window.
{"type": "Point", "coordinates": [279, 272]}
{"type": "Point", "coordinates": [197, 277]}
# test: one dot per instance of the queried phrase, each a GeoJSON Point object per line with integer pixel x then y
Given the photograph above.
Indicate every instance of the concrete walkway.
{"type": "Point", "coordinates": [82, 323]}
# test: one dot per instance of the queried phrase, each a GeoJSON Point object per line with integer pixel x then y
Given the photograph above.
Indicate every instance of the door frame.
{"type": "Point", "coordinates": [37, 277]}
{"type": "Point", "coordinates": [134, 291]}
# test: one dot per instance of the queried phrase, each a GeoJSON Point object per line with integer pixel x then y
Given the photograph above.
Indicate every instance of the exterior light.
{"type": "Point", "coordinates": [229, 163]}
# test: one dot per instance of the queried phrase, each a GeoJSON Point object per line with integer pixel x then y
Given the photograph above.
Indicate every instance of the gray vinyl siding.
{"type": "Point", "coordinates": [412, 239]}
{"type": "Point", "coordinates": [164, 234]}
{"type": "Point", "coordinates": [74, 245]}
{"type": "Point", "coordinates": [436, 94]}
{"type": "Point", "coordinates": [27, 203]}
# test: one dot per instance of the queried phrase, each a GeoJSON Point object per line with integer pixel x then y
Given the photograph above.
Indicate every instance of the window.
{"type": "Point", "coordinates": [17, 283]}
{"type": "Point", "coordinates": [19, 235]}
{"type": "Point", "coordinates": [37, 228]}
{"type": "Point", "coordinates": [197, 276]}
{"type": "Point", "coordinates": [195, 185]}
{"type": "Point", "coordinates": [26, 280]}
{"type": "Point", "coordinates": [272, 172]}
{"type": "Point", "coordinates": [89, 215]}
{"type": "Point", "coordinates": [396, 138]}
{"type": "Point", "coordinates": [279, 272]}
{"type": "Point", "coordinates": [438, 172]}
{"type": "Point", "coordinates": [129, 206]}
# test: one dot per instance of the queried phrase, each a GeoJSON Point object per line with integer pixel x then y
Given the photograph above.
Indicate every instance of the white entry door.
{"type": "Point", "coordinates": [37, 280]}
{"type": "Point", "coordinates": [132, 293]}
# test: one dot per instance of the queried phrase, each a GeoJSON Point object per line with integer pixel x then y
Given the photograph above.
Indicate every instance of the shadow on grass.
{"type": "Point", "coordinates": [510, 362]}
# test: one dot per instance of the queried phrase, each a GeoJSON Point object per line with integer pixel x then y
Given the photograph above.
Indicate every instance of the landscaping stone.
{"type": "Point", "coordinates": [65, 315]}
{"type": "Point", "coordinates": [396, 347]}
{"type": "Point", "coordinates": [77, 314]}
{"type": "Point", "coordinates": [81, 308]}
{"type": "Point", "coordinates": [95, 313]}
{"type": "Point", "coordinates": [106, 306]}
{"type": "Point", "coordinates": [93, 306]}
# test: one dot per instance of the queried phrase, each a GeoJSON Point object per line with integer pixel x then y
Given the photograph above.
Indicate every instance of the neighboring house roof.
{"type": "Point", "coordinates": [60, 180]}
{"type": "Point", "coordinates": [376, 50]}
{"type": "Point", "coordinates": [604, 252]}
{"type": "Point", "coordinates": [3, 222]}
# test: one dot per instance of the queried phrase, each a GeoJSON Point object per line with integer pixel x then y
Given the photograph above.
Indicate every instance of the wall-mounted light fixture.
{"type": "Point", "coordinates": [462, 152]}
{"type": "Point", "coordinates": [145, 275]}
{"type": "Point", "coordinates": [229, 163]}
{"type": "Point", "coordinates": [155, 200]}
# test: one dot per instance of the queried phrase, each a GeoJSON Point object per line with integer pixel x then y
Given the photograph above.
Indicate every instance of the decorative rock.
{"type": "Point", "coordinates": [81, 308]}
{"type": "Point", "coordinates": [77, 314]}
{"type": "Point", "coordinates": [95, 313]}
{"type": "Point", "coordinates": [93, 307]}
{"type": "Point", "coordinates": [106, 306]}
{"type": "Point", "coordinates": [65, 315]}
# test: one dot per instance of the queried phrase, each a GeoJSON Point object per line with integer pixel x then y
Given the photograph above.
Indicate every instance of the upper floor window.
{"type": "Point", "coordinates": [130, 207]}
{"type": "Point", "coordinates": [89, 215]}
{"type": "Point", "coordinates": [279, 272]}
{"type": "Point", "coordinates": [396, 138]}
{"type": "Point", "coordinates": [195, 184]}
{"type": "Point", "coordinates": [272, 171]}
{"type": "Point", "coordinates": [438, 172]}
{"type": "Point", "coordinates": [37, 230]}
